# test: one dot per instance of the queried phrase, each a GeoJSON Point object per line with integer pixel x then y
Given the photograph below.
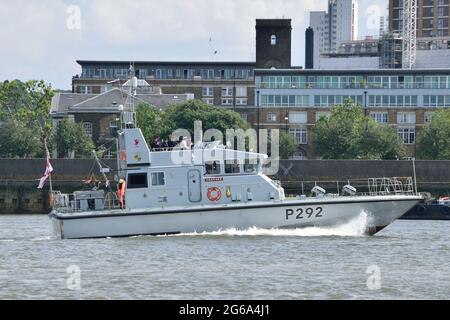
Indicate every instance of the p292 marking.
{"type": "Point", "coordinates": [304, 213]}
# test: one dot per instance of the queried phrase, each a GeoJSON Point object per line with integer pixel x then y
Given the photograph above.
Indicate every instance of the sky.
{"type": "Point", "coordinates": [42, 39]}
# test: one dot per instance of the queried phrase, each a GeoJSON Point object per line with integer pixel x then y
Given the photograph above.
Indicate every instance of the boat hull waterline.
{"type": "Point", "coordinates": [381, 211]}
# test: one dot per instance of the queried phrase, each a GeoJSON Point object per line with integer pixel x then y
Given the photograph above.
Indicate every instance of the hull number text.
{"type": "Point", "coordinates": [304, 213]}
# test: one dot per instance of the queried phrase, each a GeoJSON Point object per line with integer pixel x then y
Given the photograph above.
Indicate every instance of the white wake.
{"type": "Point", "coordinates": [353, 228]}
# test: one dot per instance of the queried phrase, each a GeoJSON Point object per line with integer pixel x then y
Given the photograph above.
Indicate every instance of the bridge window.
{"type": "Point", "coordinates": [232, 167]}
{"type": "Point", "coordinates": [137, 181]}
{"type": "Point", "coordinates": [158, 179]}
{"type": "Point", "coordinates": [212, 167]}
{"type": "Point", "coordinates": [251, 165]}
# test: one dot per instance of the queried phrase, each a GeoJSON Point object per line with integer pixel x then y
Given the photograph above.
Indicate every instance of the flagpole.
{"type": "Point", "coordinates": [48, 160]}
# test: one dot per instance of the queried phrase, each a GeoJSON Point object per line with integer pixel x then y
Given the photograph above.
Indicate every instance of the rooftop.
{"type": "Point", "coordinates": [167, 63]}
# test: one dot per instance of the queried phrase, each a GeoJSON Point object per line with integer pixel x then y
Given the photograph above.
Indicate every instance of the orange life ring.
{"type": "Point", "coordinates": [217, 196]}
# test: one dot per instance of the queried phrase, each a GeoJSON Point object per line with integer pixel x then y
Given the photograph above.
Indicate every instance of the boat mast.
{"type": "Point", "coordinates": [101, 169]}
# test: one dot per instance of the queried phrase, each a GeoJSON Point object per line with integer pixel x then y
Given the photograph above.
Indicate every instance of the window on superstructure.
{"type": "Point", "coordinates": [251, 165]}
{"type": "Point", "coordinates": [232, 167]}
{"type": "Point", "coordinates": [212, 167]}
{"type": "Point", "coordinates": [158, 179]}
{"type": "Point", "coordinates": [137, 181]}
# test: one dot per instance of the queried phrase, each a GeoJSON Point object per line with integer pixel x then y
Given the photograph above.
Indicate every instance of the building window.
{"type": "Point", "coordinates": [301, 134]}
{"type": "Point", "coordinates": [158, 179]}
{"type": "Point", "coordinates": [209, 101]}
{"type": "Point", "coordinates": [329, 101]}
{"type": "Point", "coordinates": [161, 74]}
{"type": "Point", "coordinates": [436, 101]}
{"type": "Point", "coordinates": [406, 117]}
{"type": "Point", "coordinates": [408, 135]}
{"type": "Point", "coordinates": [86, 89]}
{"type": "Point", "coordinates": [427, 117]}
{"type": "Point", "coordinates": [207, 91]}
{"type": "Point", "coordinates": [392, 101]}
{"type": "Point", "coordinates": [142, 73]}
{"type": "Point", "coordinates": [284, 101]}
{"type": "Point", "coordinates": [227, 92]}
{"type": "Point", "coordinates": [380, 117]}
{"type": "Point", "coordinates": [241, 91]}
{"type": "Point", "coordinates": [87, 126]}
{"type": "Point", "coordinates": [207, 73]}
{"type": "Point", "coordinates": [298, 117]}
{"type": "Point", "coordinates": [271, 117]}
{"type": "Point", "coordinates": [273, 40]}
{"type": "Point", "coordinates": [244, 116]}
{"type": "Point", "coordinates": [241, 101]}
{"type": "Point", "coordinates": [227, 102]}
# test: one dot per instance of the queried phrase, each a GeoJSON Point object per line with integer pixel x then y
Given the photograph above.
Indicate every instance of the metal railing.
{"type": "Point", "coordinates": [68, 202]}
{"type": "Point", "coordinates": [365, 187]}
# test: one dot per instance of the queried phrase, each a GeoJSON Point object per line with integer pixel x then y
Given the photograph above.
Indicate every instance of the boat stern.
{"type": "Point", "coordinates": [57, 225]}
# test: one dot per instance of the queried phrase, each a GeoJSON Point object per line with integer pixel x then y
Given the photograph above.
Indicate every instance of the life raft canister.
{"type": "Point", "coordinates": [214, 194]}
{"type": "Point", "coordinates": [51, 200]}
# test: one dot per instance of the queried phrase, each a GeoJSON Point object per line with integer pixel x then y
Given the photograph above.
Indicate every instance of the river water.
{"type": "Point", "coordinates": [408, 260]}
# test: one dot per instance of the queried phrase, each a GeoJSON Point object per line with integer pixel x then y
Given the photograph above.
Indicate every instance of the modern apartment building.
{"type": "Point", "coordinates": [433, 17]}
{"type": "Point", "coordinates": [294, 99]}
{"type": "Point", "coordinates": [332, 27]}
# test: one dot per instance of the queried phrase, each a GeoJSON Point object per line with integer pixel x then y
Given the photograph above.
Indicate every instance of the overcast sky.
{"type": "Point", "coordinates": [41, 39]}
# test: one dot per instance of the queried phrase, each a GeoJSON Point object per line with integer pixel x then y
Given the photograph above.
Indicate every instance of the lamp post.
{"type": "Point", "coordinates": [365, 110]}
{"type": "Point", "coordinates": [257, 120]}
{"type": "Point", "coordinates": [287, 120]}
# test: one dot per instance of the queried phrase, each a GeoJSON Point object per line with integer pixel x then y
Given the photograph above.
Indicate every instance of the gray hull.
{"type": "Point", "coordinates": [327, 212]}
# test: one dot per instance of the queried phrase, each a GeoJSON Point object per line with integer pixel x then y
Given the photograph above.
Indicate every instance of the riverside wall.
{"type": "Point", "coordinates": [19, 178]}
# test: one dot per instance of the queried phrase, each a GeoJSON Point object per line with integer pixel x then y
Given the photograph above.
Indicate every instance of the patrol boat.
{"type": "Point", "coordinates": [201, 190]}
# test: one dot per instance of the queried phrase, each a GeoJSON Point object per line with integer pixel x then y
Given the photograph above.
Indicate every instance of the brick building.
{"type": "Point", "coordinates": [294, 99]}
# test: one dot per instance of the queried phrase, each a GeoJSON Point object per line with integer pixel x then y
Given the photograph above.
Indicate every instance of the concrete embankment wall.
{"type": "Point", "coordinates": [19, 177]}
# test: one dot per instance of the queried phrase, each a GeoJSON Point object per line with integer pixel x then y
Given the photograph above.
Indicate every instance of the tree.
{"type": "Point", "coordinates": [18, 140]}
{"type": "Point", "coordinates": [154, 122]}
{"type": "Point", "coordinates": [183, 116]}
{"type": "Point", "coordinates": [288, 145]}
{"type": "Point", "coordinates": [29, 103]}
{"type": "Point", "coordinates": [71, 137]}
{"type": "Point", "coordinates": [151, 121]}
{"type": "Point", "coordinates": [433, 142]}
{"type": "Point", "coordinates": [349, 134]}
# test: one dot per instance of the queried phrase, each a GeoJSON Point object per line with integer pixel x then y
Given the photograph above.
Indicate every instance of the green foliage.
{"type": "Point", "coordinates": [183, 116]}
{"type": "Point", "coordinates": [151, 121]}
{"type": "Point", "coordinates": [71, 137]}
{"type": "Point", "coordinates": [19, 141]}
{"type": "Point", "coordinates": [27, 103]}
{"type": "Point", "coordinates": [349, 134]}
{"type": "Point", "coordinates": [154, 122]}
{"type": "Point", "coordinates": [288, 145]}
{"type": "Point", "coordinates": [433, 142]}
